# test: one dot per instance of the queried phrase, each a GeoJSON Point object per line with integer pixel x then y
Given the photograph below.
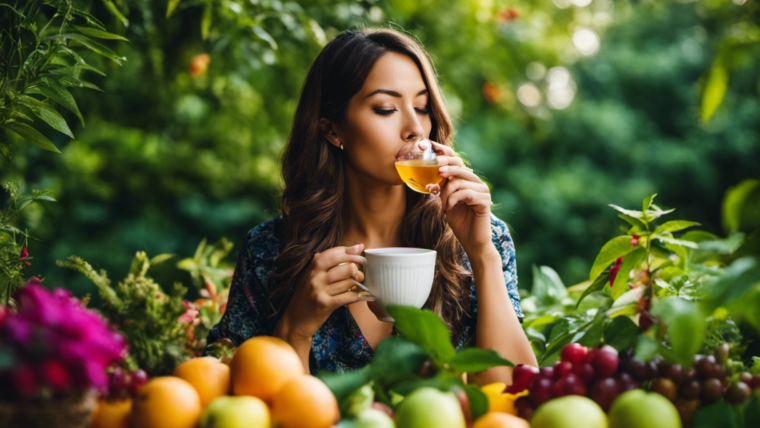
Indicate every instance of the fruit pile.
{"type": "Point", "coordinates": [602, 374]}
{"type": "Point", "coordinates": [264, 385]}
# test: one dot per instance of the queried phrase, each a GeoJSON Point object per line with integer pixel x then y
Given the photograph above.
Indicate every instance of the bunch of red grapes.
{"type": "Point", "coordinates": [602, 374]}
{"type": "Point", "coordinates": [123, 384]}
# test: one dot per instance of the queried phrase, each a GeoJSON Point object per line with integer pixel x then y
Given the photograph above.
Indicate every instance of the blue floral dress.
{"type": "Point", "coordinates": [339, 344]}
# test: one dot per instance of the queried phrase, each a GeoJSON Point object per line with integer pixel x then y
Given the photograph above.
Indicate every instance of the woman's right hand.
{"type": "Point", "coordinates": [325, 287]}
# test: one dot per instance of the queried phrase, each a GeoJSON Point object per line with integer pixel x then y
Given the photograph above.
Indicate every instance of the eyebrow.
{"type": "Point", "coordinates": [394, 93]}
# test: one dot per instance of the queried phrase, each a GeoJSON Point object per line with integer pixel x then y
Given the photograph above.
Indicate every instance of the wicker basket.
{"type": "Point", "coordinates": [70, 412]}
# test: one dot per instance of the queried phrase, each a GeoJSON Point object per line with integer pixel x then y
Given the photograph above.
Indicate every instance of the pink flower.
{"type": "Point", "coordinates": [55, 375]}
{"type": "Point", "coordinates": [24, 254]}
{"type": "Point", "coordinates": [635, 240]}
{"type": "Point", "coordinates": [188, 316]}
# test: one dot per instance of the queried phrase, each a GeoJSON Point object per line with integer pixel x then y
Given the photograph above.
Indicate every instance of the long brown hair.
{"type": "Point", "coordinates": [315, 173]}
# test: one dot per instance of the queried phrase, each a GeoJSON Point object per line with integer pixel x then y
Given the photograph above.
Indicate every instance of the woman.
{"type": "Point", "coordinates": [367, 93]}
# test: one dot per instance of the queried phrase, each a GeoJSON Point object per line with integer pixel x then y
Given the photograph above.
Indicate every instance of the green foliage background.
{"type": "Point", "coordinates": [166, 159]}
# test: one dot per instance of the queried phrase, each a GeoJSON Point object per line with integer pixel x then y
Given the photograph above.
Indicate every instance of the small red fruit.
{"type": "Point", "coordinates": [574, 353]}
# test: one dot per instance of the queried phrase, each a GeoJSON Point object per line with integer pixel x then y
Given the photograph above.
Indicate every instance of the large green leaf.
{"type": "Point", "coordinates": [733, 203]}
{"type": "Point", "coordinates": [116, 12]}
{"type": "Point", "coordinates": [58, 93]}
{"type": "Point", "coordinates": [674, 226]}
{"type": "Point", "coordinates": [93, 46]}
{"type": "Point", "coordinates": [547, 286]}
{"type": "Point", "coordinates": [621, 333]}
{"type": "Point", "coordinates": [630, 262]}
{"type": "Point", "coordinates": [598, 285]}
{"type": "Point", "coordinates": [714, 89]}
{"type": "Point", "coordinates": [614, 248]}
{"type": "Point", "coordinates": [32, 135]}
{"type": "Point", "coordinates": [647, 202]}
{"type": "Point", "coordinates": [426, 329]}
{"type": "Point", "coordinates": [99, 34]}
{"type": "Point", "coordinates": [476, 360]}
{"type": "Point", "coordinates": [686, 323]}
{"type": "Point", "coordinates": [343, 384]}
{"type": "Point", "coordinates": [171, 6]}
{"type": "Point", "coordinates": [478, 401]}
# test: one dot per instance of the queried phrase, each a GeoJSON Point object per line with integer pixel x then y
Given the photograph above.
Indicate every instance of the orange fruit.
{"type": "Point", "coordinates": [111, 413]}
{"type": "Point", "coordinates": [166, 402]}
{"type": "Point", "coordinates": [207, 375]}
{"type": "Point", "coordinates": [305, 402]}
{"type": "Point", "coordinates": [500, 420]}
{"type": "Point", "coordinates": [262, 365]}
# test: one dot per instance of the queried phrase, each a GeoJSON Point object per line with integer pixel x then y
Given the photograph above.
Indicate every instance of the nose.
{"type": "Point", "coordinates": [412, 127]}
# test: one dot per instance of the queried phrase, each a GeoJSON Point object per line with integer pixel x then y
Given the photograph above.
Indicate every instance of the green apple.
{"type": "Point", "coordinates": [569, 411]}
{"type": "Point", "coordinates": [241, 411]}
{"type": "Point", "coordinates": [371, 418]}
{"type": "Point", "coordinates": [430, 408]}
{"type": "Point", "coordinates": [639, 409]}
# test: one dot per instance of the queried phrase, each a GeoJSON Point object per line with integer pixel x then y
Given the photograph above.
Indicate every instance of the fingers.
{"type": "Point", "coordinates": [343, 271]}
{"type": "Point", "coordinates": [328, 259]}
{"type": "Point", "coordinates": [456, 185]}
{"type": "Point", "coordinates": [443, 149]}
{"type": "Point", "coordinates": [350, 297]}
{"type": "Point", "coordinates": [468, 197]}
{"type": "Point", "coordinates": [462, 172]}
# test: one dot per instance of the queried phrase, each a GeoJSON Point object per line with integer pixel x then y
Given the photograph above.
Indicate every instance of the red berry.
{"type": "Point", "coordinates": [627, 382]}
{"type": "Point", "coordinates": [569, 385]}
{"type": "Point", "coordinates": [541, 391]}
{"type": "Point", "coordinates": [712, 390]}
{"type": "Point", "coordinates": [675, 373]}
{"type": "Point", "coordinates": [605, 362]}
{"type": "Point", "coordinates": [604, 391]}
{"type": "Point", "coordinates": [706, 367]}
{"type": "Point", "coordinates": [521, 377]}
{"type": "Point", "coordinates": [574, 353]}
{"type": "Point", "coordinates": [25, 381]}
{"type": "Point", "coordinates": [664, 387]}
{"type": "Point", "coordinates": [547, 372]}
{"type": "Point", "coordinates": [524, 408]}
{"type": "Point", "coordinates": [755, 382]}
{"type": "Point", "coordinates": [690, 390]}
{"type": "Point", "coordinates": [563, 368]}
{"type": "Point", "coordinates": [585, 371]}
{"type": "Point", "coordinates": [139, 378]}
{"type": "Point", "coordinates": [738, 393]}
{"type": "Point", "coordinates": [745, 377]}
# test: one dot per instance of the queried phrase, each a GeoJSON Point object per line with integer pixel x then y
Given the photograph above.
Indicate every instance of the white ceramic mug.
{"type": "Point", "coordinates": [398, 275]}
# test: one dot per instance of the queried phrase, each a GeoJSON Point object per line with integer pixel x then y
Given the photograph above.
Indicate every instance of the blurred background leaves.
{"type": "Point", "coordinates": [563, 106]}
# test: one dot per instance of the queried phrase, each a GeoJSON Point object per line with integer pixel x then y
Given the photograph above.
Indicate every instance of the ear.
{"type": "Point", "coordinates": [328, 131]}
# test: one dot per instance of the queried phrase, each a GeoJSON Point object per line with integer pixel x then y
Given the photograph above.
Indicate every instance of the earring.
{"type": "Point", "coordinates": [341, 146]}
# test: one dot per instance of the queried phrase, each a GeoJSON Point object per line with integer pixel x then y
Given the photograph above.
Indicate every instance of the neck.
{"type": "Point", "coordinates": [374, 212]}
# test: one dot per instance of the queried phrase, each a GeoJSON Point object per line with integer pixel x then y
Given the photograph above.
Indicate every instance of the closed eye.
{"type": "Point", "coordinates": [382, 112]}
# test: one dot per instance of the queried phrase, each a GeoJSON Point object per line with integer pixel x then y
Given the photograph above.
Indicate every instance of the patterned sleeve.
{"type": "Point", "coordinates": [247, 313]}
{"type": "Point", "coordinates": [503, 241]}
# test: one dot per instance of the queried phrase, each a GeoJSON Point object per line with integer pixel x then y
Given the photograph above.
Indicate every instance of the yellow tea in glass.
{"type": "Point", "coordinates": [417, 174]}
{"type": "Point", "coordinates": [417, 165]}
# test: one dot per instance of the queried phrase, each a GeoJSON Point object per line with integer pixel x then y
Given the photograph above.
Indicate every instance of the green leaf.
{"type": "Point", "coordinates": [206, 21]}
{"type": "Point", "coordinates": [629, 213]}
{"type": "Point", "coordinates": [686, 323]}
{"type": "Point", "coordinates": [626, 303]}
{"type": "Point", "coordinates": [723, 246]}
{"type": "Point", "coordinates": [674, 226]}
{"type": "Point", "coordinates": [116, 12]}
{"type": "Point", "coordinates": [595, 286]}
{"type": "Point", "coordinates": [478, 401]}
{"type": "Point", "coordinates": [647, 202]}
{"type": "Point", "coordinates": [263, 35]}
{"type": "Point", "coordinates": [99, 34]}
{"type": "Point", "coordinates": [160, 259]}
{"type": "Point", "coordinates": [737, 279]}
{"type": "Point", "coordinates": [714, 89]}
{"type": "Point", "coordinates": [91, 20]}
{"type": "Point", "coordinates": [93, 46]}
{"type": "Point", "coordinates": [678, 242]}
{"type": "Point", "coordinates": [343, 384]}
{"type": "Point", "coordinates": [21, 15]}
{"type": "Point", "coordinates": [633, 221]}
{"type": "Point", "coordinates": [614, 248]}
{"type": "Point", "coordinates": [91, 86]}
{"type": "Point", "coordinates": [32, 135]}
{"type": "Point", "coordinates": [621, 333]}
{"type": "Point", "coordinates": [547, 286]}
{"type": "Point", "coordinates": [717, 415]}
{"type": "Point", "coordinates": [630, 262]}
{"type": "Point", "coordinates": [396, 359]}
{"type": "Point", "coordinates": [58, 93]}
{"type": "Point", "coordinates": [54, 119]}
{"type": "Point", "coordinates": [476, 360]}
{"type": "Point", "coordinates": [593, 336]}
{"type": "Point", "coordinates": [733, 204]}
{"type": "Point", "coordinates": [171, 6]}
{"type": "Point", "coordinates": [425, 329]}
{"type": "Point", "coordinates": [74, 70]}
{"type": "Point", "coordinates": [646, 348]}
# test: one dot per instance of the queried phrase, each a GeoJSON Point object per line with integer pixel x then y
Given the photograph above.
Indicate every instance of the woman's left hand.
{"type": "Point", "coordinates": [466, 201]}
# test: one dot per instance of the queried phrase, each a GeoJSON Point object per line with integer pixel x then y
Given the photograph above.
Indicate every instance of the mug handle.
{"type": "Point", "coordinates": [369, 298]}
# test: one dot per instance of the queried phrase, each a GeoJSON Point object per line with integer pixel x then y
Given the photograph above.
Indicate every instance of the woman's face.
{"type": "Point", "coordinates": [389, 110]}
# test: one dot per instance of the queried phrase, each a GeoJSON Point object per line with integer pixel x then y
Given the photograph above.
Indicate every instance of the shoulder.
{"type": "Point", "coordinates": [265, 240]}
{"type": "Point", "coordinates": [501, 237]}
